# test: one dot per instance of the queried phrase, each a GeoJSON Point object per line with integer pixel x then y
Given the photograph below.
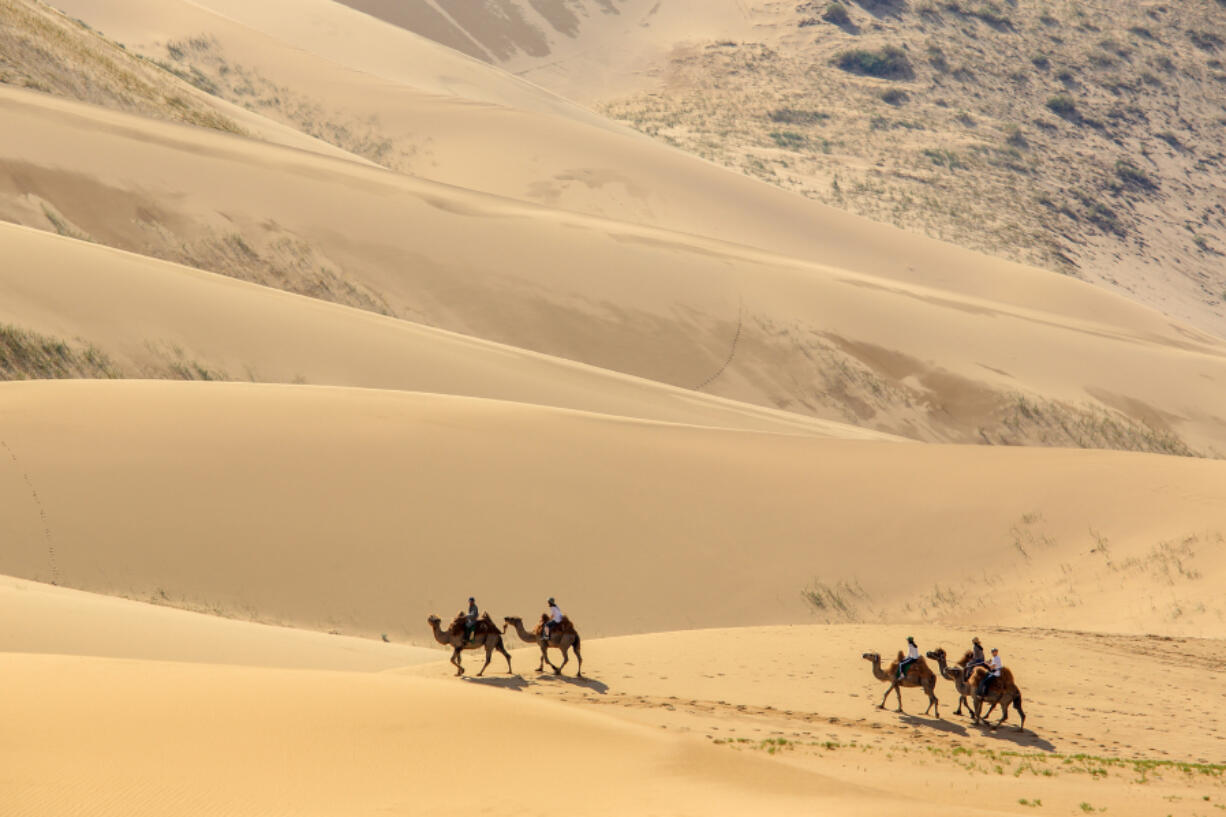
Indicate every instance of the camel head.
{"type": "Point", "coordinates": [433, 620]}
{"type": "Point", "coordinates": [936, 655]}
{"type": "Point", "coordinates": [512, 619]}
{"type": "Point", "coordinates": [871, 656]}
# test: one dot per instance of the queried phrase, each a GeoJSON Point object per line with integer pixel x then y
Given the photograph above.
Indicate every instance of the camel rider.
{"type": "Point", "coordinates": [470, 619]}
{"type": "Point", "coordinates": [912, 657]}
{"type": "Point", "coordinates": [977, 659]}
{"type": "Point", "coordinates": [555, 618]}
{"type": "Point", "coordinates": [995, 665]}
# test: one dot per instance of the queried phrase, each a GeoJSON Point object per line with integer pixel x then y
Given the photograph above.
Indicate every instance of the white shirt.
{"type": "Point", "coordinates": [555, 615]}
{"type": "Point", "coordinates": [912, 651]}
{"type": "Point", "coordinates": [996, 664]}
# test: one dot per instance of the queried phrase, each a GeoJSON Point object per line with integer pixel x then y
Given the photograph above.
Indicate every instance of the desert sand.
{"type": "Point", "coordinates": [313, 326]}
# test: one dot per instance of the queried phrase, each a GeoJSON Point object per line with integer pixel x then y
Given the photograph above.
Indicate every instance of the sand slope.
{"type": "Point", "coordinates": [838, 343]}
{"type": "Point", "coordinates": [162, 737]}
{"type": "Point", "coordinates": [350, 509]}
{"type": "Point", "coordinates": [165, 320]}
{"type": "Point", "coordinates": [41, 618]}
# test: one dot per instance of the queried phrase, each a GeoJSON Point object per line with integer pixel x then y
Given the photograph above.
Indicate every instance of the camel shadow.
{"type": "Point", "coordinates": [517, 683]}
{"type": "Point", "coordinates": [599, 687]}
{"type": "Point", "coordinates": [1028, 739]}
{"type": "Point", "coordinates": [939, 725]}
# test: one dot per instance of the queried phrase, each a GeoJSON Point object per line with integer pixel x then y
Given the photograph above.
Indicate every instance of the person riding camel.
{"type": "Point", "coordinates": [553, 620]}
{"type": "Point", "coordinates": [977, 659]}
{"type": "Point", "coordinates": [995, 665]}
{"type": "Point", "coordinates": [470, 619]}
{"type": "Point", "coordinates": [912, 657]}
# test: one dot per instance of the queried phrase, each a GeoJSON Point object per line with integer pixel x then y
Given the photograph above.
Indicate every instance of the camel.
{"type": "Point", "coordinates": [485, 636]}
{"type": "Point", "coordinates": [918, 675]}
{"type": "Point", "coordinates": [1003, 691]}
{"type": "Point", "coordinates": [560, 639]}
{"type": "Point", "coordinates": [957, 674]}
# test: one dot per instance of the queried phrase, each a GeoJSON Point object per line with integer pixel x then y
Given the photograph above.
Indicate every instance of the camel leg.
{"type": "Point", "coordinates": [579, 658]}
{"type": "Point", "coordinates": [932, 698]}
{"type": "Point", "coordinates": [502, 649]}
{"type": "Point", "coordinates": [455, 659]}
{"type": "Point", "coordinates": [887, 694]}
{"type": "Point", "coordinates": [898, 693]}
{"type": "Point", "coordinates": [489, 651]}
{"type": "Point", "coordinates": [545, 658]}
{"type": "Point", "coordinates": [565, 659]}
{"type": "Point", "coordinates": [1017, 704]}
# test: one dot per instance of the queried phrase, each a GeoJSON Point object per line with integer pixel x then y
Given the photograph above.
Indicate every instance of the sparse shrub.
{"type": "Point", "coordinates": [944, 158]}
{"type": "Point", "coordinates": [1205, 40]}
{"type": "Point", "coordinates": [936, 58]}
{"type": "Point", "coordinates": [789, 139]}
{"type": "Point", "coordinates": [889, 63]}
{"type": "Point", "coordinates": [1133, 176]}
{"type": "Point", "coordinates": [1015, 138]}
{"type": "Point", "coordinates": [1142, 32]}
{"type": "Point", "coordinates": [795, 116]}
{"type": "Point", "coordinates": [894, 96]}
{"type": "Point", "coordinates": [1041, 61]}
{"type": "Point", "coordinates": [836, 13]}
{"type": "Point", "coordinates": [1170, 138]}
{"type": "Point", "coordinates": [1062, 105]}
{"type": "Point", "coordinates": [1105, 218]}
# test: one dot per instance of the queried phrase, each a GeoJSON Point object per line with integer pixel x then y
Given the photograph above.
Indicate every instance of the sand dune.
{"type": "Point", "coordinates": [162, 320]}
{"type": "Point", "coordinates": [351, 509]}
{"type": "Point", "coordinates": [489, 371]}
{"type": "Point", "coordinates": [436, 108]}
{"type": "Point", "coordinates": [164, 735]}
{"type": "Point", "coordinates": [41, 618]}
{"type": "Point", "coordinates": [837, 343]}
{"type": "Point", "coordinates": [1112, 721]}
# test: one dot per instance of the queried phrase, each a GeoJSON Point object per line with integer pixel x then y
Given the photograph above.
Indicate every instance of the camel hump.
{"type": "Point", "coordinates": [1006, 676]}
{"type": "Point", "coordinates": [966, 659]}
{"type": "Point", "coordinates": [899, 659]}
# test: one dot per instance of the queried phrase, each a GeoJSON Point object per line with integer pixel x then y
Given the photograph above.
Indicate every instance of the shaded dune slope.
{"type": "Point", "coordinates": [165, 321]}
{"type": "Point", "coordinates": [842, 343]}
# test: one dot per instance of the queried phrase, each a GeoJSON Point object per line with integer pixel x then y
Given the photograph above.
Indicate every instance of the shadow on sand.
{"type": "Point", "coordinates": [547, 677]}
{"type": "Point", "coordinates": [939, 725]}
{"type": "Point", "coordinates": [1009, 733]}
{"type": "Point", "coordinates": [516, 682]}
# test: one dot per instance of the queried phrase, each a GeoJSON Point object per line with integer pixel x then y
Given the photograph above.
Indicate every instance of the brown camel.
{"type": "Point", "coordinates": [918, 675]}
{"type": "Point", "coordinates": [485, 635]}
{"type": "Point", "coordinates": [957, 674]}
{"type": "Point", "coordinates": [561, 638]}
{"type": "Point", "coordinates": [1002, 690]}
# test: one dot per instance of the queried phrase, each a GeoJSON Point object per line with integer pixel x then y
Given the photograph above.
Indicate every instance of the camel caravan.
{"type": "Point", "coordinates": [977, 679]}
{"type": "Point", "coordinates": [472, 630]}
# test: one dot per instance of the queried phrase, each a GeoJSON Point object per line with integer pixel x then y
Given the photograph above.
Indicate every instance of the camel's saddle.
{"type": "Point", "coordinates": [563, 626]}
{"type": "Point", "coordinates": [483, 626]}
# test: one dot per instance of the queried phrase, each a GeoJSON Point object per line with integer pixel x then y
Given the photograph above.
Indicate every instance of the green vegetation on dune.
{"type": "Point", "coordinates": [43, 50]}
{"type": "Point", "coordinates": [26, 355]}
{"type": "Point", "coordinates": [1069, 135]}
